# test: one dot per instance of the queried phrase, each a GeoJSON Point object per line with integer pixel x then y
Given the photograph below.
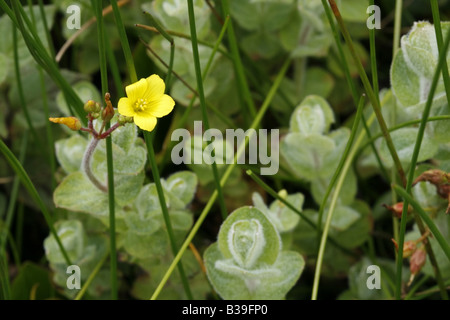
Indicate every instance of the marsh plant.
{"type": "Point", "coordinates": [233, 149]}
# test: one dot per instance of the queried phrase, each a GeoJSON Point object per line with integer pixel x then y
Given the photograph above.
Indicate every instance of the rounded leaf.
{"type": "Point", "coordinates": [249, 238]}
{"type": "Point", "coordinates": [313, 116]}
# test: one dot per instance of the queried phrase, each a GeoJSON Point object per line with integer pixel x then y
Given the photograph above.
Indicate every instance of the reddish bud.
{"type": "Point", "coordinates": [108, 111]}
{"type": "Point", "coordinates": [397, 209]}
{"type": "Point", "coordinates": [416, 262]}
{"type": "Point", "coordinates": [409, 247]}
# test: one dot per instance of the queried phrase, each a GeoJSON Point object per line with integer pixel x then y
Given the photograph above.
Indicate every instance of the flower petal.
{"type": "Point", "coordinates": [136, 90]}
{"type": "Point", "coordinates": [155, 88]}
{"type": "Point", "coordinates": [145, 122]}
{"type": "Point", "coordinates": [161, 107]}
{"type": "Point", "coordinates": [125, 107]}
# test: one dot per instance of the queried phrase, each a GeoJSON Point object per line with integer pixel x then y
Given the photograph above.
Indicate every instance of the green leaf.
{"type": "Point", "coordinates": [317, 46]}
{"type": "Point", "coordinates": [413, 68]}
{"type": "Point", "coordinates": [261, 44]}
{"type": "Point", "coordinates": [259, 15]}
{"type": "Point", "coordinates": [319, 187]}
{"type": "Point", "coordinates": [95, 248]}
{"type": "Point", "coordinates": [318, 82]}
{"type": "Point", "coordinates": [147, 203]}
{"type": "Point", "coordinates": [70, 151]}
{"type": "Point", "coordinates": [271, 282]}
{"type": "Point", "coordinates": [173, 14]}
{"type": "Point", "coordinates": [181, 219]}
{"type": "Point", "coordinates": [143, 245]}
{"type": "Point", "coordinates": [313, 116]}
{"type": "Point", "coordinates": [426, 195]}
{"type": "Point", "coordinates": [71, 233]}
{"type": "Point", "coordinates": [335, 65]}
{"type": "Point", "coordinates": [358, 276]}
{"type": "Point", "coordinates": [307, 155]}
{"type": "Point", "coordinates": [405, 82]}
{"type": "Point", "coordinates": [441, 128]}
{"type": "Point", "coordinates": [343, 218]}
{"type": "Point", "coordinates": [85, 90]}
{"type": "Point", "coordinates": [7, 47]}
{"type": "Point", "coordinates": [353, 10]}
{"type": "Point", "coordinates": [183, 185]}
{"type": "Point", "coordinates": [283, 218]}
{"type": "Point", "coordinates": [404, 141]}
{"type": "Point", "coordinates": [77, 193]}
{"type": "Point", "coordinates": [356, 232]}
{"type": "Point", "coordinates": [125, 137]}
{"type": "Point", "coordinates": [32, 281]}
{"type": "Point", "coordinates": [249, 238]}
{"type": "Point", "coordinates": [145, 222]}
{"type": "Point", "coordinates": [195, 149]}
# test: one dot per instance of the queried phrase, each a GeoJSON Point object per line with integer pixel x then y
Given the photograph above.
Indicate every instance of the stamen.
{"type": "Point", "coordinates": [140, 105]}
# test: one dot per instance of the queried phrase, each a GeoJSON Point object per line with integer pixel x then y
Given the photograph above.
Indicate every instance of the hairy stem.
{"type": "Point", "coordinates": [86, 165]}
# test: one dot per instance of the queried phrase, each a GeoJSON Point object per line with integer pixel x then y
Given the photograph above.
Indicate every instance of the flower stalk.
{"type": "Point", "coordinates": [94, 111]}
{"type": "Point", "coordinates": [86, 164]}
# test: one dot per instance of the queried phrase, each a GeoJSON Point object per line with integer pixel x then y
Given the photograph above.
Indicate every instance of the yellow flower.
{"type": "Point", "coordinates": [145, 102]}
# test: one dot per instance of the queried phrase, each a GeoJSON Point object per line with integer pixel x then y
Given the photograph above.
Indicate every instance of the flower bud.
{"type": "Point", "coordinates": [122, 120]}
{"type": "Point", "coordinates": [90, 106]}
{"type": "Point", "coordinates": [108, 111]}
{"type": "Point", "coordinates": [397, 209]}
{"type": "Point", "coordinates": [71, 122]}
{"type": "Point", "coordinates": [409, 247]}
{"type": "Point", "coordinates": [95, 115]}
{"type": "Point", "coordinates": [416, 262]}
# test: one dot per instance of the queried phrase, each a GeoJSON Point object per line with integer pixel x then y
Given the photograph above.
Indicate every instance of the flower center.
{"type": "Point", "coordinates": [140, 105]}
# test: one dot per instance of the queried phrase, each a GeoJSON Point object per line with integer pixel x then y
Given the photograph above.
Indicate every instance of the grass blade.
{"type": "Point", "coordinates": [109, 157]}
{"type": "Point", "coordinates": [201, 93]}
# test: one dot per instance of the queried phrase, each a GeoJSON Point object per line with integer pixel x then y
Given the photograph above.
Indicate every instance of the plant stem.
{"type": "Point", "coordinates": [397, 26]}
{"type": "Point", "coordinates": [242, 83]}
{"type": "Point", "coordinates": [201, 93]}
{"type": "Point", "coordinates": [98, 9]}
{"type": "Point", "coordinates": [86, 165]}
